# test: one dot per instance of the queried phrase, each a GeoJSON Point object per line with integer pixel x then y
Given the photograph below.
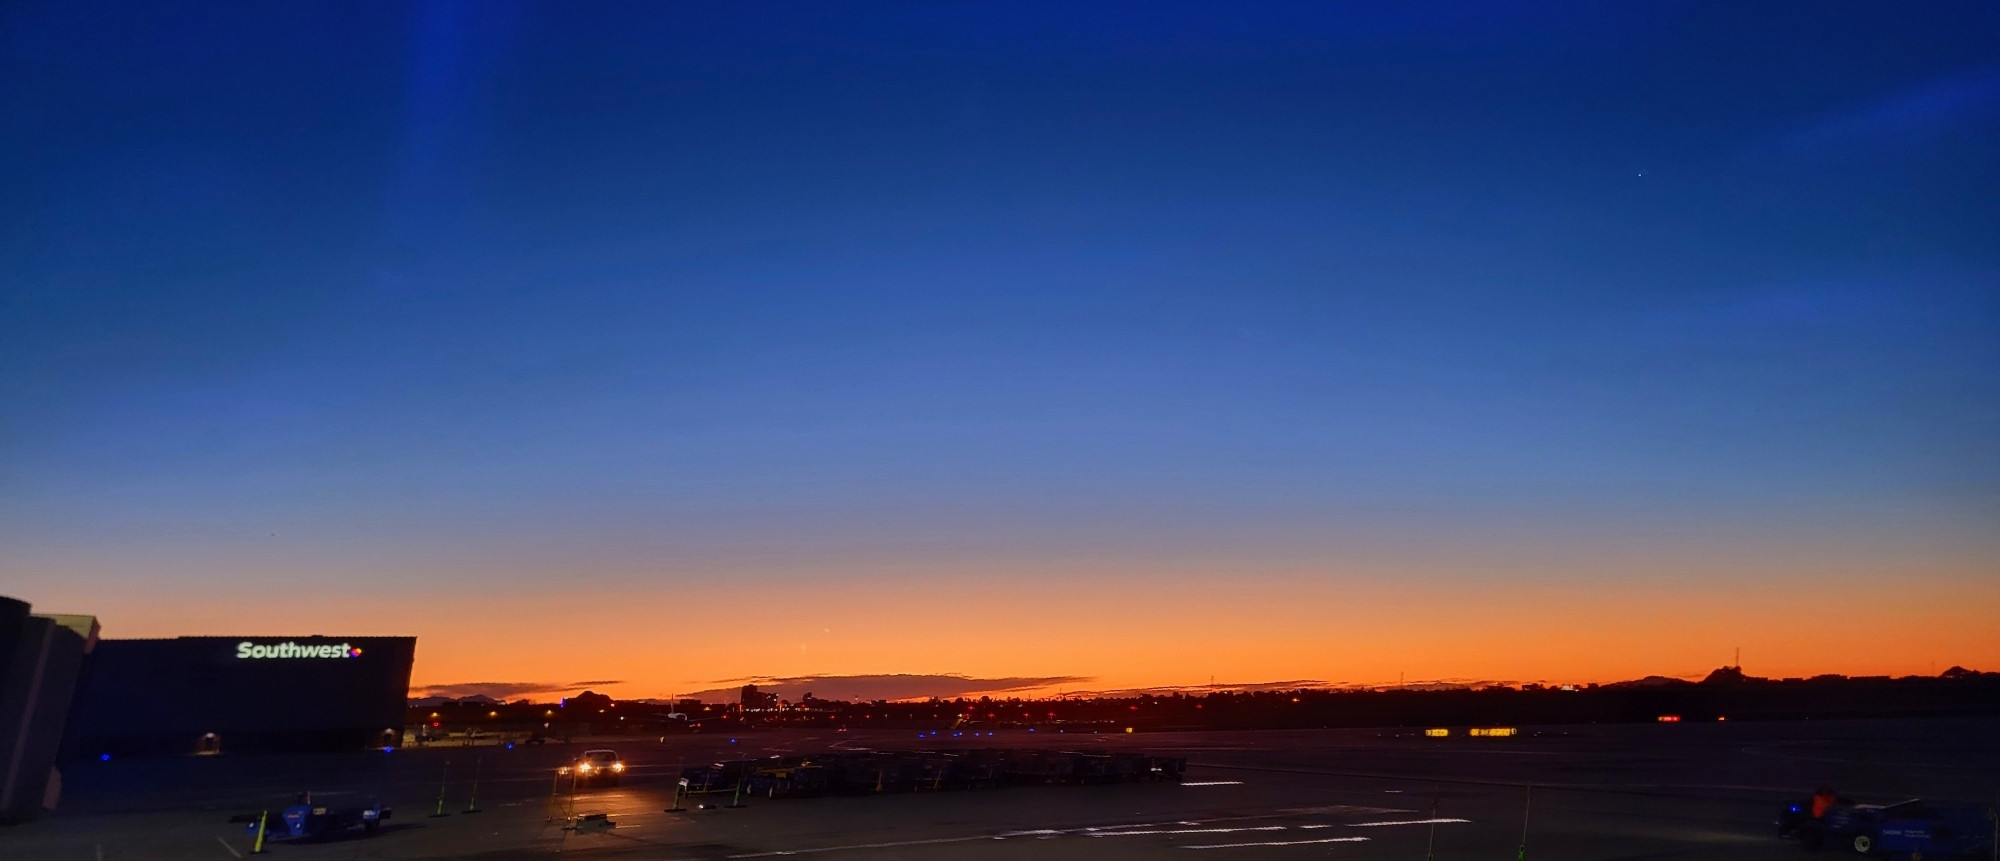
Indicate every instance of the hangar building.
{"type": "Point", "coordinates": [242, 694]}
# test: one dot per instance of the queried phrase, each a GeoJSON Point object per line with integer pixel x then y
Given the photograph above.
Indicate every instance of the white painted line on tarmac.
{"type": "Point", "coordinates": [1278, 843]}
{"type": "Point", "coordinates": [1133, 830]}
{"type": "Point", "coordinates": [225, 845]}
{"type": "Point", "coordinates": [1344, 810]}
{"type": "Point", "coordinates": [890, 845]}
{"type": "Point", "coordinates": [1184, 831]}
{"type": "Point", "coordinates": [1405, 822]}
{"type": "Point", "coordinates": [1211, 783]}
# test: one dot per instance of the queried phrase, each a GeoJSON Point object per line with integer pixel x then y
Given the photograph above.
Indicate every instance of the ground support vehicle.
{"type": "Point", "coordinates": [1902, 829]}
{"type": "Point", "coordinates": [322, 818]}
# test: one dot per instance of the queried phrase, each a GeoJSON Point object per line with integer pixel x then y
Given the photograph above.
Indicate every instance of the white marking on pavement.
{"type": "Point", "coordinates": [1278, 843]}
{"type": "Point", "coordinates": [1144, 829]}
{"type": "Point", "coordinates": [779, 852]}
{"type": "Point", "coordinates": [225, 845]}
{"type": "Point", "coordinates": [1056, 832]}
{"type": "Point", "coordinates": [1211, 783]}
{"type": "Point", "coordinates": [1405, 822]}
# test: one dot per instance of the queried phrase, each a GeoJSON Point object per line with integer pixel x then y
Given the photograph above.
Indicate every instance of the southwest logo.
{"type": "Point", "coordinates": [249, 650]}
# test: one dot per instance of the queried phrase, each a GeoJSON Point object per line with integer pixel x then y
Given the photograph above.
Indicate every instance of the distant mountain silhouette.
{"type": "Point", "coordinates": [1729, 676]}
{"type": "Point", "coordinates": [1651, 682]}
{"type": "Point", "coordinates": [433, 702]}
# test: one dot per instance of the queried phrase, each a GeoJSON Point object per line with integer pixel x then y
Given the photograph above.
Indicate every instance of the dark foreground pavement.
{"type": "Point", "coordinates": [1592, 792]}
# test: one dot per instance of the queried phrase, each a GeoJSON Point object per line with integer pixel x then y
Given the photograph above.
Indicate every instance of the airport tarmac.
{"type": "Point", "coordinates": [1579, 792]}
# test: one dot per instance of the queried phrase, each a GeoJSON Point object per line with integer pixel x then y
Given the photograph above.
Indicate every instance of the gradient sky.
{"type": "Point", "coordinates": [677, 343]}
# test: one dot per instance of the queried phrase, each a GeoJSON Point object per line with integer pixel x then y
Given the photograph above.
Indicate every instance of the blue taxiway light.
{"type": "Point", "coordinates": [105, 757]}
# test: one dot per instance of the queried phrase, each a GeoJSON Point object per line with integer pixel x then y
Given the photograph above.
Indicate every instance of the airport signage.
{"type": "Point", "coordinates": [247, 650]}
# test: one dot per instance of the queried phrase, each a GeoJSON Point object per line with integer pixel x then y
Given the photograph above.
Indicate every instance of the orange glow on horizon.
{"type": "Point", "coordinates": [1125, 633]}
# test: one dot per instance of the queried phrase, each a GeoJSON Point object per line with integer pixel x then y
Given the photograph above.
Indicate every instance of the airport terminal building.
{"type": "Point", "coordinates": [196, 695]}
{"type": "Point", "coordinates": [40, 657]}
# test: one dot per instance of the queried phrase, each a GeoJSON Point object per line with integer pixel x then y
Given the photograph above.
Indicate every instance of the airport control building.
{"type": "Point", "coordinates": [192, 695]}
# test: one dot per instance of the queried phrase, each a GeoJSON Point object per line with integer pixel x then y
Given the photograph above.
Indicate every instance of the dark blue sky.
{"type": "Point", "coordinates": [488, 293]}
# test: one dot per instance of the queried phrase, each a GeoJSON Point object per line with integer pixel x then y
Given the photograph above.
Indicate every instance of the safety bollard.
{"type": "Point", "coordinates": [737, 799]}
{"type": "Point", "coordinates": [444, 778]}
{"type": "Point", "coordinates": [680, 789]}
{"type": "Point", "coordinates": [1527, 803]}
{"type": "Point", "coordinates": [472, 803]}
{"type": "Point", "coordinates": [257, 846]}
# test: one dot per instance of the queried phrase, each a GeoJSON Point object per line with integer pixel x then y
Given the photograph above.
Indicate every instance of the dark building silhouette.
{"type": "Point", "coordinates": [197, 695]}
{"type": "Point", "coordinates": [40, 659]}
{"type": "Point", "coordinates": [756, 700]}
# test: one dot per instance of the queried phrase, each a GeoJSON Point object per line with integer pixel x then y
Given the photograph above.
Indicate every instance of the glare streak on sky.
{"type": "Point", "coordinates": [1047, 341]}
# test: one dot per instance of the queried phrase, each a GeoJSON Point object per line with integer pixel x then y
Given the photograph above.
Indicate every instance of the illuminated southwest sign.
{"type": "Point", "coordinates": [260, 651]}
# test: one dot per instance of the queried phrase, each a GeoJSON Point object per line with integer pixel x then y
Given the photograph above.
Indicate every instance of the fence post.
{"type": "Point", "coordinates": [555, 790]}
{"type": "Point", "coordinates": [1430, 843]}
